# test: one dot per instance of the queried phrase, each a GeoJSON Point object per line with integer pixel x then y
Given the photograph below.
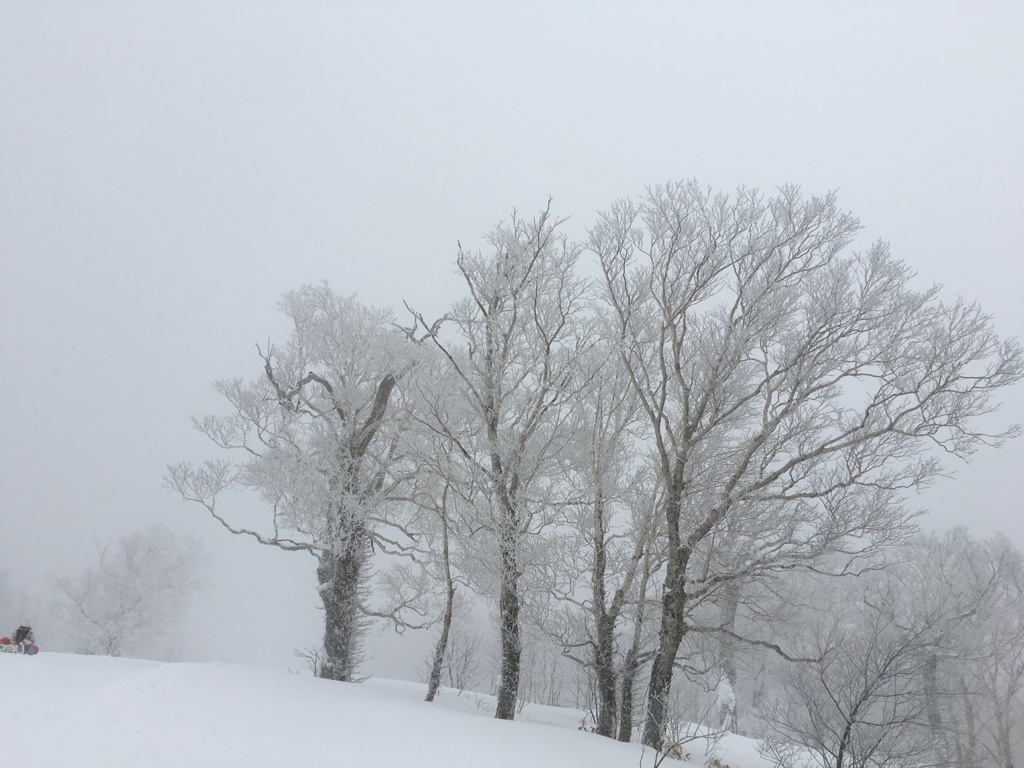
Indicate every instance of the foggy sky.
{"type": "Point", "coordinates": [167, 170]}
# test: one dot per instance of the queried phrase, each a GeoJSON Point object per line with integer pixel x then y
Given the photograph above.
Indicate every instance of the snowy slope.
{"type": "Point", "coordinates": [94, 712]}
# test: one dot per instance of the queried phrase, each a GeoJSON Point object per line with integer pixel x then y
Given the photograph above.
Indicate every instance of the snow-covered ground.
{"type": "Point", "coordinates": [93, 712]}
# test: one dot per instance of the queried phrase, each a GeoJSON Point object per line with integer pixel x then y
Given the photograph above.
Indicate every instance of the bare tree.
{"type": "Point", "coordinates": [518, 339]}
{"type": "Point", "coordinates": [316, 436]}
{"type": "Point", "coordinates": [784, 382]}
{"type": "Point", "coordinates": [616, 540]}
{"type": "Point", "coordinates": [603, 550]}
{"type": "Point", "coordinates": [859, 701]}
{"type": "Point", "coordinates": [994, 723]}
{"type": "Point", "coordinates": [443, 491]}
{"type": "Point", "coordinates": [974, 676]}
{"type": "Point", "coordinates": [635, 655]}
{"type": "Point", "coordinates": [457, 658]}
{"type": "Point", "coordinates": [901, 661]}
{"type": "Point", "coordinates": [464, 666]}
{"type": "Point", "coordinates": [448, 577]}
{"type": "Point", "coordinates": [138, 589]}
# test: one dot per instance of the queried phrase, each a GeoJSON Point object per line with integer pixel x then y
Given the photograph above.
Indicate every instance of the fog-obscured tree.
{"type": "Point", "coordinates": [900, 660]}
{"type": "Point", "coordinates": [974, 675]}
{"type": "Point", "coordinates": [857, 700]}
{"type": "Point", "coordinates": [136, 592]}
{"type": "Point", "coordinates": [994, 726]}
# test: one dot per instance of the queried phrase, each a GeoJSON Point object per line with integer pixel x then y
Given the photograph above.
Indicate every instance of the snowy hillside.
{"type": "Point", "coordinates": [95, 712]}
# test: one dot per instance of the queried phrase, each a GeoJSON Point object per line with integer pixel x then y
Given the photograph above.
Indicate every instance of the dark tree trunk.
{"type": "Point", "coordinates": [340, 574]}
{"type": "Point", "coordinates": [442, 647]}
{"type": "Point", "coordinates": [449, 606]}
{"type": "Point", "coordinates": [844, 743]}
{"type": "Point", "coordinates": [340, 578]}
{"type": "Point", "coordinates": [511, 639]}
{"type": "Point", "coordinates": [670, 636]}
{"type": "Point", "coordinates": [604, 640]}
{"type": "Point", "coordinates": [629, 669]}
{"type": "Point", "coordinates": [631, 664]}
{"type": "Point", "coordinates": [604, 662]}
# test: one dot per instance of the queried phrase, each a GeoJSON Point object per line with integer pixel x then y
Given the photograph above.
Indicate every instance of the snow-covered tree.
{"type": "Point", "coordinates": [603, 554]}
{"type": "Point", "coordinates": [137, 591]}
{"type": "Point", "coordinates": [316, 437]}
{"type": "Point", "coordinates": [440, 491]}
{"type": "Point", "coordinates": [788, 384]}
{"type": "Point", "coordinates": [512, 346]}
{"type": "Point", "coordinates": [443, 492]}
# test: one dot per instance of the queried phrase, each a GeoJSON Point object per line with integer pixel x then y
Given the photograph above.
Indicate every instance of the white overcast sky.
{"type": "Point", "coordinates": [167, 170]}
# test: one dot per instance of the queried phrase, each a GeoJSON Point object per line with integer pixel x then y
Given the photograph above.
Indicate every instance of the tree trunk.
{"type": "Point", "coordinates": [340, 578]}
{"type": "Point", "coordinates": [604, 662]}
{"type": "Point", "coordinates": [759, 688]}
{"type": "Point", "coordinates": [511, 640]}
{"type": "Point", "coordinates": [449, 603]}
{"type": "Point", "coordinates": [844, 743]}
{"type": "Point", "coordinates": [442, 646]}
{"type": "Point", "coordinates": [631, 664]}
{"type": "Point", "coordinates": [942, 745]}
{"type": "Point", "coordinates": [931, 682]}
{"type": "Point", "coordinates": [728, 707]}
{"type": "Point", "coordinates": [1004, 737]}
{"type": "Point", "coordinates": [966, 754]}
{"type": "Point", "coordinates": [340, 573]}
{"type": "Point", "coordinates": [604, 630]}
{"type": "Point", "coordinates": [670, 636]}
{"type": "Point", "coordinates": [629, 669]}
